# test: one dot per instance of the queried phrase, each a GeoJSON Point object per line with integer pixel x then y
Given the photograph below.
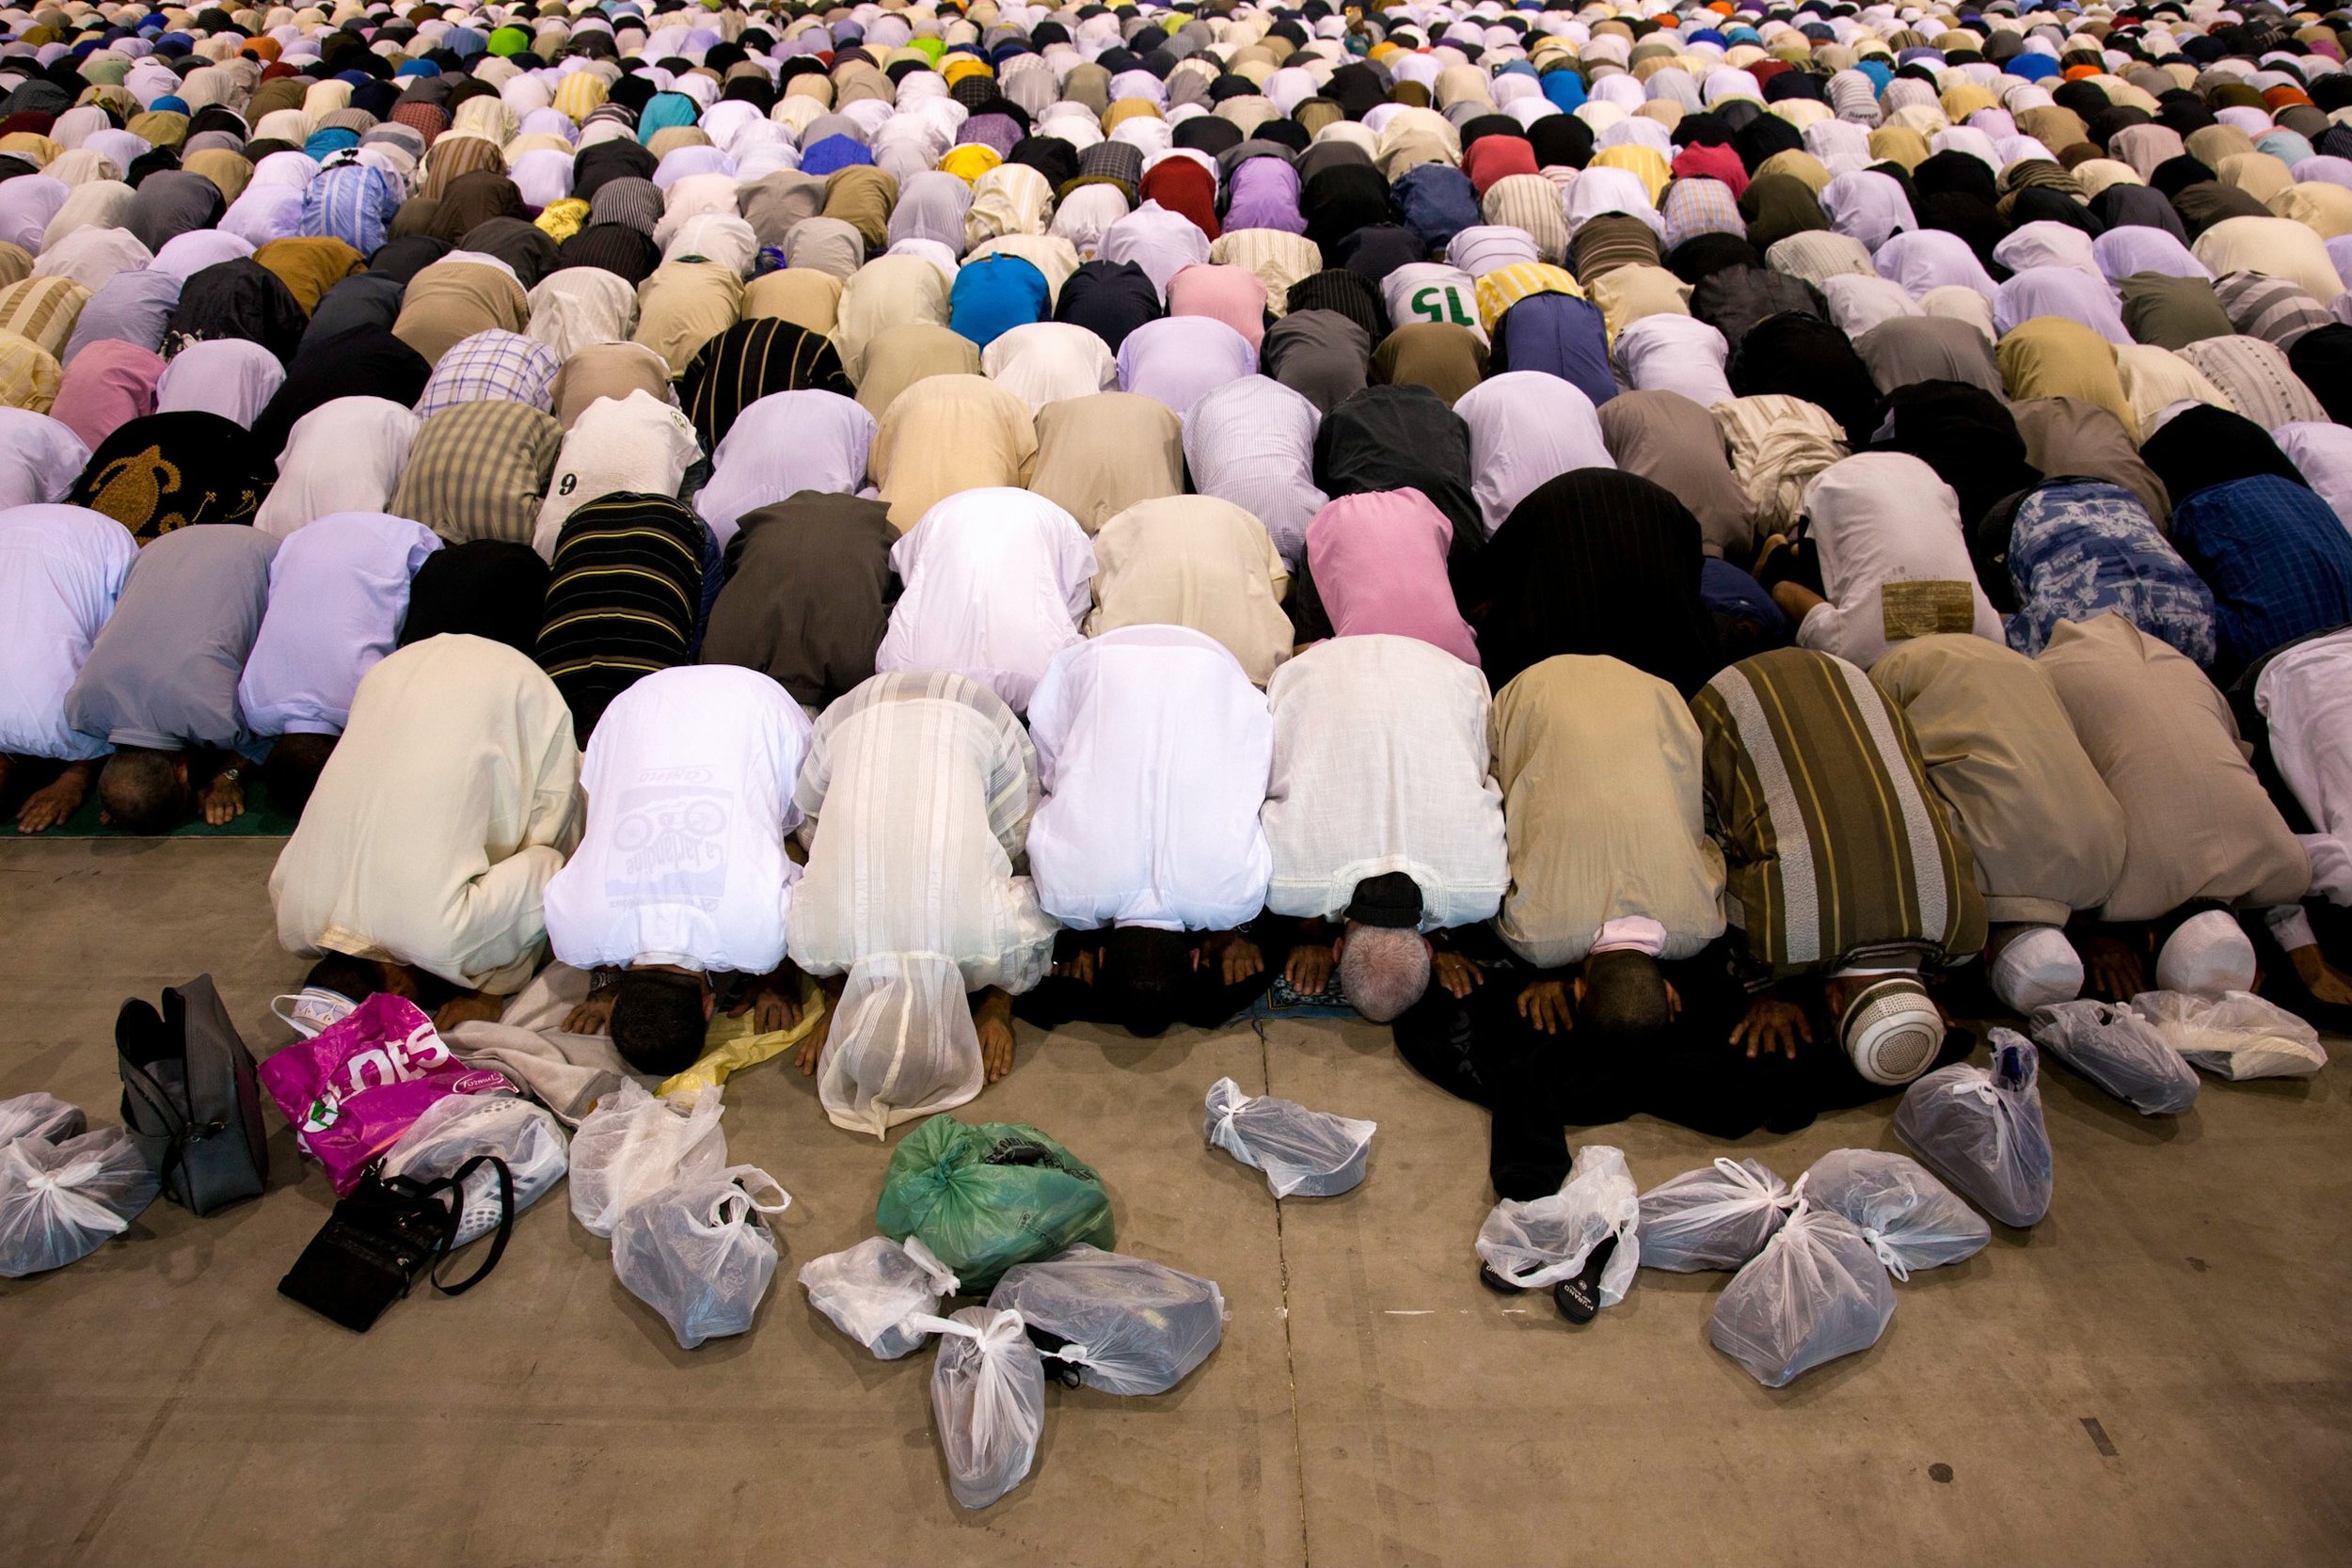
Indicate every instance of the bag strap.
{"type": "Point", "coordinates": [498, 1238]}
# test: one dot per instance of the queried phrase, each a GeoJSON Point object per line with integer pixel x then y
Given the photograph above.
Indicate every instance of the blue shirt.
{"type": "Point", "coordinates": [2081, 549]}
{"type": "Point", "coordinates": [2277, 558]}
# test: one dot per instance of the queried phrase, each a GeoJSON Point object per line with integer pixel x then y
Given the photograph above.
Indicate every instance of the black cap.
{"type": "Point", "coordinates": [1391, 900]}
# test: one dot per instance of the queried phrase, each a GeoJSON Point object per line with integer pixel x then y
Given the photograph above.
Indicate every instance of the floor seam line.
{"type": "Point", "coordinates": [1290, 1355]}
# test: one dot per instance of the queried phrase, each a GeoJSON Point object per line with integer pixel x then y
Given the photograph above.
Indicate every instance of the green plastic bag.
{"type": "Point", "coordinates": [984, 1199]}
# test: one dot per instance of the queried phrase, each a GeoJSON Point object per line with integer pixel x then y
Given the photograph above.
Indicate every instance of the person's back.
{"type": "Point", "coordinates": [1600, 767]}
{"type": "Point", "coordinates": [163, 674]}
{"type": "Point", "coordinates": [682, 859]}
{"type": "Point", "coordinates": [1380, 764]}
{"type": "Point", "coordinates": [61, 570]}
{"type": "Point", "coordinates": [439, 819]}
{"type": "Point", "coordinates": [2079, 548]}
{"type": "Point", "coordinates": [995, 581]}
{"type": "Point", "coordinates": [1154, 749]}
{"type": "Point", "coordinates": [807, 593]}
{"type": "Point", "coordinates": [338, 589]}
{"type": "Point", "coordinates": [1196, 561]}
{"type": "Point", "coordinates": [2279, 560]}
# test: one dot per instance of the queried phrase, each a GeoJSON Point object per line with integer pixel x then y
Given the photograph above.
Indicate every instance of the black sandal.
{"type": "Point", "coordinates": [1578, 1299]}
{"type": "Point", "coordinates": [1497, 1283]}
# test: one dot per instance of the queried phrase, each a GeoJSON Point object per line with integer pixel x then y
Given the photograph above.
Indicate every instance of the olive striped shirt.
{"type": "Point", "coordinates": [623, 600]}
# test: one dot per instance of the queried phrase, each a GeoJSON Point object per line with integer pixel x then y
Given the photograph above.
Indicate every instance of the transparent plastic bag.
{"type": "Point", "coordinates": [1538, 1243]}
{"type": "Point", "coordinates": [58, 1202]}
{"type": "Point", "coordinates": [1127, 1325]}
{"type": "Point", "coordinates": [1981, 1131]}
{"type": "Point", "coordinates": [872, 1291]}
{"type": "Point", "coordinates": [632, 1145]}
{"type": "Point", "coordinates": [40, 1115]}
{"type": "Point", "coordinates": [698, 1253]}
{"type": "Point", "coordinates": [454, 1130]}
{"type": "Point", "coordinates": [2237, 1037]}
{"type": "Point", "coordinates": [988, 1400]}
{"type": "Point", "coordinates": [2120, 1051]}
{"type": "Point", "coordinates": [1304, 1153]}
{"type": "Point", "coordinates": [1911, 1220]}
{"type": "Point", "coordinates": [1713, 1218]}
{"type": "Point", "coordinates": [1816, 1293]}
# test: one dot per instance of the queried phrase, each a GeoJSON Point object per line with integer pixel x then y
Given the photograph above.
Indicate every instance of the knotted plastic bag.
{"type": "Point", "coordinates": [2237, 1037]}
{"type": "Point", "coordinates": [2120, 1051]}
{"type": "Point", "coordinates": [59, 1201]}
{"type": "Point", "coordinates": [698, 1253]}
{"type": "Point", "coordinates": [873, 1290]}
{"type": "Point", "coordinates": [1816, 1293]}
{"type": "Point", "coordinates": [988, 1400]}
{"type": "Point", "coordinates": [1981, 1131]}
{"type": "Point", "coordinates": [453, 1131]}
{"type": "Point", "coordinates": [985, 1198]}
{"type": "Point", "coordinates": [1127, 1325]}
{"type": "Point", "coordinates": [1714, 1218]}
{"type": "Point", "coordinates": [1911, 1220]}
{"type": "Point", "coordinates": [632, 1145]}
{"type": "Point", "coordinates": [1304, 1153]}
{"type": "Point", "coordinates": [40, 1115]}
{"type": "Point", "coordinates": [1538, 1243]}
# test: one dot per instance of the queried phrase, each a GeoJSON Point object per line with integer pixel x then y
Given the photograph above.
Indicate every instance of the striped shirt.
{"type": "Point", "coordinates": [492, 364]}
{"type": "Point", "coordinates": [1504, 286]}
{"type": "Point", "coordinates": [752, 360]}
{"type": "Point", "coordinates": [1533, 203]}
{"type": "Point", "coordinates": [2259, 381]}
{"type": "Point", "coordinates": [43, 311]}
{"type": "Point", "coordinates": [627, 590]}
{"type": "Point", "coordinates": [1837, 849]}
{"type": "Point", "coordinates": [2276, 309]}
{"type": "Point", "coordinates": [479, 471]}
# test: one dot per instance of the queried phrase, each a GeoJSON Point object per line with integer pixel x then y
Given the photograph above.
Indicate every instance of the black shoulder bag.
{"type": "Point", "coordinates": [383, 1234]}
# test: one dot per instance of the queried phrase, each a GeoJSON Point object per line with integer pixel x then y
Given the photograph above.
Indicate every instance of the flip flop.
{"type": "Point", "coordinates": [1578, 1299]}
{"type": "Point", "coordinates": [1495, 1283]}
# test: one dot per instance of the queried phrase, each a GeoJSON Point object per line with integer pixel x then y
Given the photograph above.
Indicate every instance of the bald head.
{"type": "Point", "coordinates": [1383, 969]}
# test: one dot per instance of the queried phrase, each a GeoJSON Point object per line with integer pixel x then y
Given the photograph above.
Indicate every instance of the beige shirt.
{"type": "Point", "coordinates": [1196, 561]}
{"type": "Point", "coordinates": [945, 435]}
{"type": "Point", "coordinates": [451, 801]}
{"type": "Point", "coordinates": [1603, 806]}
{"type": "Point", "coordinates": [1098, 456]}
{"type": "Point", "coordinates": [2048, 835]}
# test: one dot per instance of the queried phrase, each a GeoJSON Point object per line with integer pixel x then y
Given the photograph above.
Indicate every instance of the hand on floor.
{"type": "Point", "coordinates": [995, 1046]}
{"type": "Point", "coordinates": [773, 1010]}
{"type": "Point", "coordinates": [1545, 1005]}
{"type": "Point", "coordinates": [813, 1048]}
{"type": "Point", "coordinates": [591, 1016]}
{"type": "Point", "coordinates": [467, 1009]}
{"type": "Point", "coordinates": [1456, 973]}
{"type": "Point", "coordinates": [223, 802]}
{"type": "Point", "coordinates": [50, 805]}
{"type": "Point", "coordinates": [1772, 1025]}
{"type": "Point", "coordinates": [1310, 969]}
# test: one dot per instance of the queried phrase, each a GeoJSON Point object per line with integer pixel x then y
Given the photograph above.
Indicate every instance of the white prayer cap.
{"type": "Point", "coordinates": [2207, 955]}
{"type": "Point", "coordinates": [2038, 967]}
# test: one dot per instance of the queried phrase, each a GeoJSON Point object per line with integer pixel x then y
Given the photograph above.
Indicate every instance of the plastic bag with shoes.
{"type": "Point", "coordinates": [1816, 1293]}
{"type": "Point", "coordinates": [988, 1400]}
{"type": "Point", "coordinates": [632, 1145]}
{"type": "Point", "coordinates": [2120, 1051]}
{"type": "Point", "coordinates": [60, 1201]}
{"type": "Point", "coordinates": [1127, 1325]}
{"type": "Point", "coordinates": [698, 1253]}
{"type": "Point", "coordinates": [1715, 1218]}
{"type": "Point", "coordinates": [874, 1291]}
{"type": "Point", "coordinates": [1911, 1220]}
{"type": "Point", "coordinates": [40, 1115]}
{"type": "Point", "coordinates": [1304, 1153]}
{"type": "Point", "coordinates": [2238, 1037]}
{"type": "Point", "coordinates": [453, 1131]}
{"type": "Point", "coordinates": [1981, 1131]}
{"type": "Point", "coordinates": [1538, 1243]}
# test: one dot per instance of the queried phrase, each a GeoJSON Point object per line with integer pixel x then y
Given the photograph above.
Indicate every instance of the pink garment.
{"type": "Point", "coordinates": [1712, 163]}
{"type": "Point", "coordinates": [1234, 295]}
{"type": "Point", "coordinates": [109, 383]}
{"type": "Point", "coordinates": [1378, 563]}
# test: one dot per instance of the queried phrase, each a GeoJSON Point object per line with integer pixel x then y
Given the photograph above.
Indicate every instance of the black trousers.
{"type": "Point", "coordinates": [1204, 1002]}
{"type": "Point", "coordinates": [1538, 1084]}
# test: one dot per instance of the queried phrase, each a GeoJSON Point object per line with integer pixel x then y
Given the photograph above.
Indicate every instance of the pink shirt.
{"type": "Point", "coordinates": [1378, 563]}
{"type": "Point", "coordinates": [1234, 295]}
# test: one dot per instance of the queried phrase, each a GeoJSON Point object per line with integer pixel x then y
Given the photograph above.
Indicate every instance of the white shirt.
{"type": "Point", "coordinates": [638, 443]}
{"type": "Point", "coordinates": [688, 778]}
{"type": "Point", "coordinates": [1046, 362]}
{"type": "Point", "coordinates": [1252, 442]}
{"type": "Point", "coordinates": [1154, 749]}
{"type": "Point", "coordinates": [39, 458]}
{"type": "Point", "coordinates": [783, 444]}
{"type": "Point", "coordinates": [338, 593]}
{"type": "Point", "coordinates": [2306, 694]}
{"type": "Point", "coordinates": [61, 569]}
{"type": "Point", "coordinates": [918, 792]}
{"type": "Point", "coordinates": [996, 580]}
{"type": "Point", "coordinates": [1380, 764]}
{"type": "Point", "coordinates": [1160, 242]}
{"type": "Point", "coordinates": [1894, 561]}
{"type": "Point", "coordinates": [1433, 292]}
{"type": "Point", "coordinates": [1527, 427]}
{"type": "Point", "coordinates": [2323, 454]}
{"type": "Point", "coordinates": [344, 455]}
{"type": "Point", "coordinates": [1182, 359]}
{"type": "Point", "coordinates": [1674, 354]}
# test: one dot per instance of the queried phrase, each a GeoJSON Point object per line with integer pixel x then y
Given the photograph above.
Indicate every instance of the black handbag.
{"type": "Point", "coordinates": [191, 1099]}
{"type": "Point", "coordinates": [383, 1234]}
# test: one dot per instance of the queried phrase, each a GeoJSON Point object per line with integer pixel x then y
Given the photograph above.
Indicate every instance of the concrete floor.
{"type": "Point", "coordinates": [1370, 1403]}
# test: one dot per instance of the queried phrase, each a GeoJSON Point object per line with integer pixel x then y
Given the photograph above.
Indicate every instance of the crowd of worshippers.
{"type": "Point", "coordinates": [1651, 549]}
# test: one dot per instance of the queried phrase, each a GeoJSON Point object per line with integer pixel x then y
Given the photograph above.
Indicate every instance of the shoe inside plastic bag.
{"type": "Point", "coordinates": [1304, 1153]}
{"type": "Point", "coordinates": [1715, 1218]}
{"type": "Point", "coordinates": [698, 1253]}
{"type": "Point", "coordinates": [1538, 1243]}
{"type": "Point", "coordinates": [1816, 1293]}
{"type": "Point", "coordinates": [1911, 1220]}
{"type": "Point", "coordinates": [40, 1115]}
{"type": "Point", "coordinates": [2120, 1051]}
{"type": "Point", "coordinates": [59, 1201]}
{"type": "Point", "coordinates": [988, 1401]}
{"type": "Point", "coordinates": [2237, 1037]}
{"type": "Point", "coordinates": [872, 1290]}
{"type": "Point", "coordinates": [451, 1130]}
{"type": "Point", "coordinates": [1981, 1131]}
{"type": "Point", "coordinates": [1127, 1325]}
{"type": "Point", "coordinates": [986, 1197]}
{"type": "Point", "coordinates": [632, 1145]}
{"type": "Point", "coordinates": [903, 1045]}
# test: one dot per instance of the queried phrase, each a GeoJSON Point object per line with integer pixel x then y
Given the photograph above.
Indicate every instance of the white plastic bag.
{"type": "Point", "coordinates": [1129, 1326]}
{"type": "Point", "coordinates": [1715, 1218]}
{"type": "Point", "coordinates": [698, 1253]}
{"type": "Point", "coordinates": [456, 1127]}
{"type": "Point", "coordinates": [40, 1115]}
{"type": "Point", "coordinates": [1816, 1293]}
{"type": "Point", "coordinates": [1981, 1131]}
{"type": "Point", "coordinates": [59, 1201]}
{"type": "Point", "coordinates": [2237, 1037]}
{"type": "Point", "coordinates": [1538, 1243]}
{"type": "Point", "coordinates": [632, 1145]}
{"type": "Point", "coordinates": [2120, 1051]}
{"type": "Point", "coordinates": [1911, 1220]}
{"type": "Point", "coordinates": [872, 1290]}
{"type": "Point", "coordinates": [988, 1400]}
{"type": "Point", "coordinates": [1304, 1153]}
